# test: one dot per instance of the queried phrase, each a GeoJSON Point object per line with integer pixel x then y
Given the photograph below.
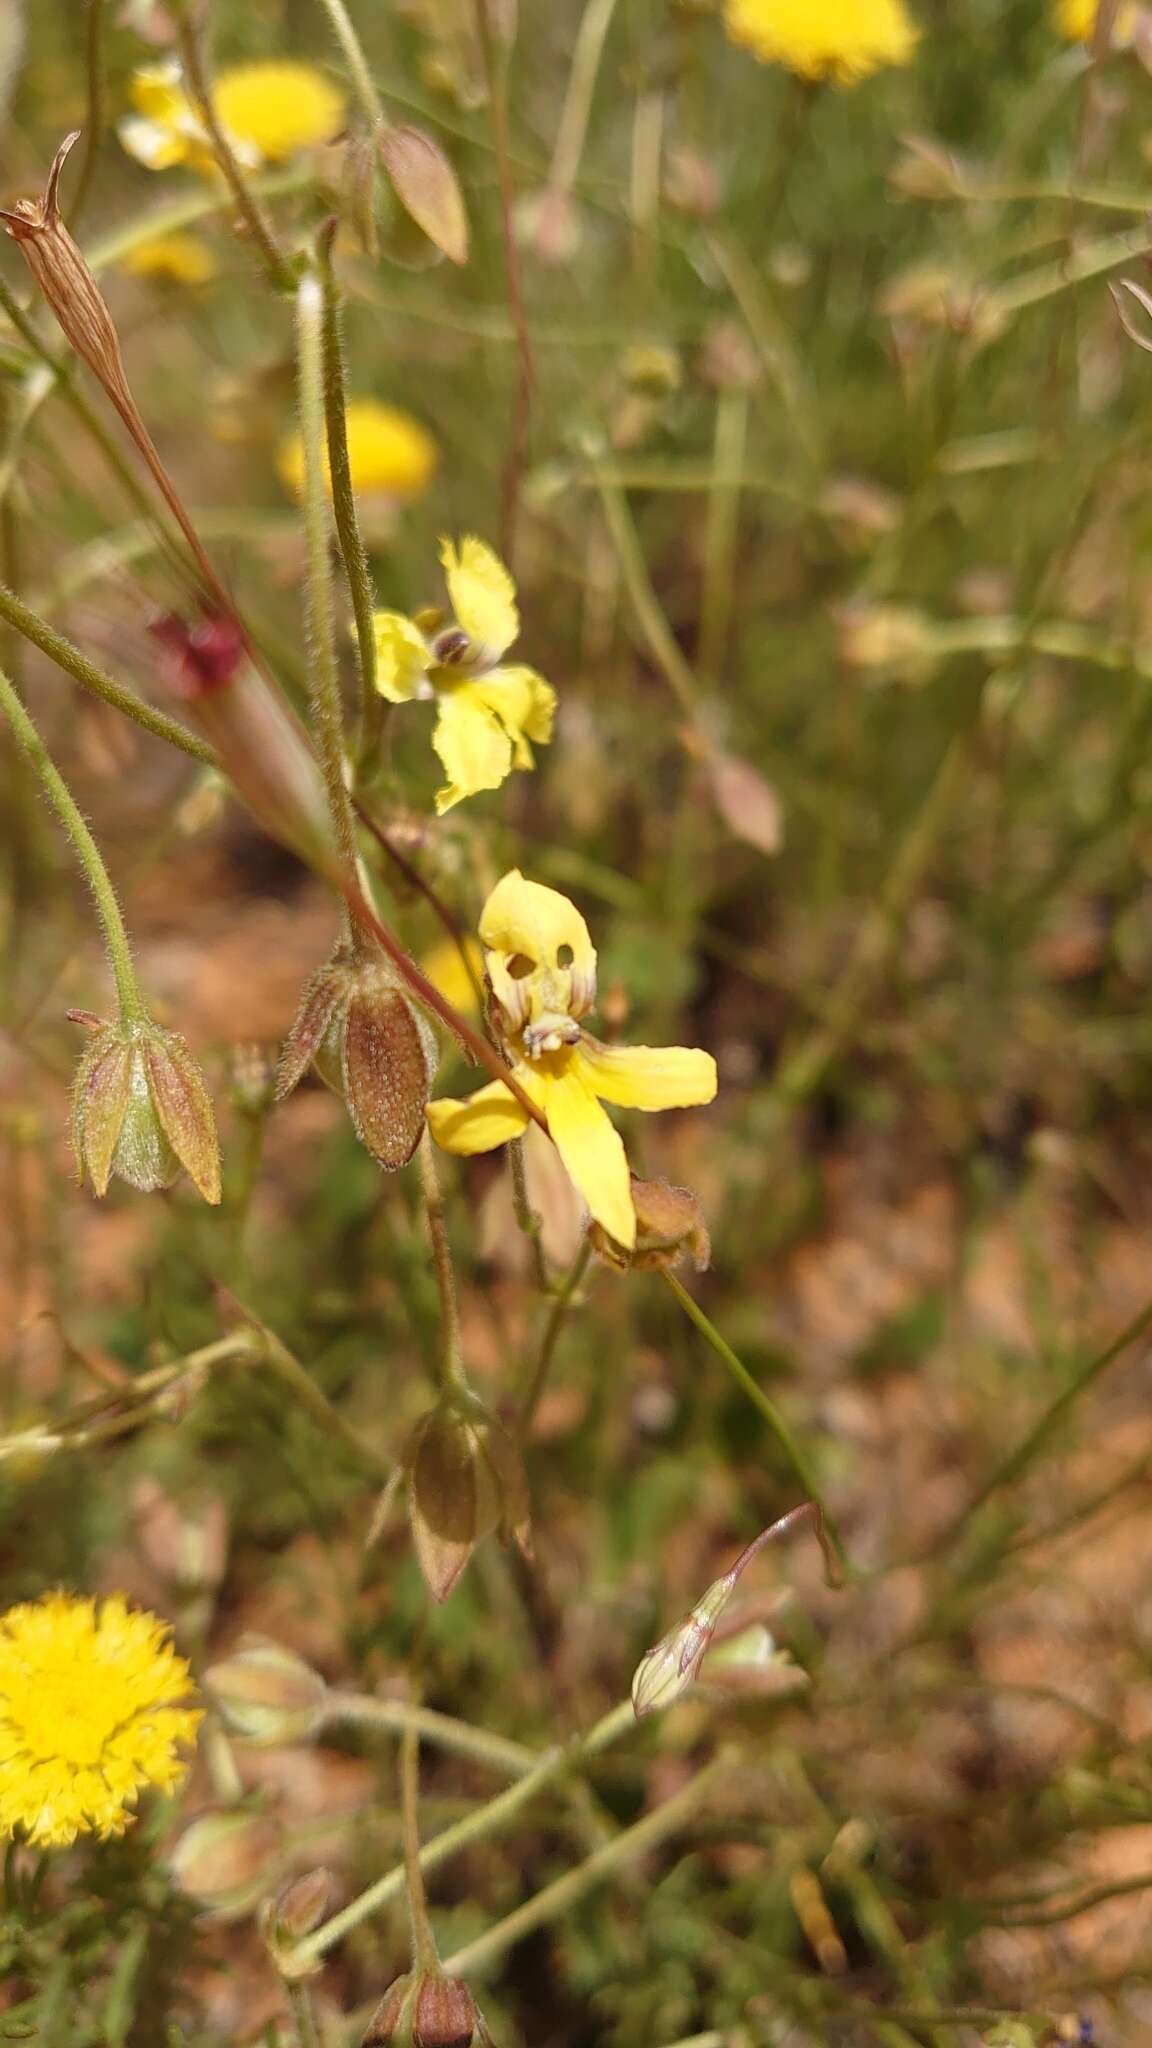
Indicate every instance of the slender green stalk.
{"type": "Point", "coordinates": [657, 632]}
{"type": "Point", "coordinates": [190, 207]}
{"type": "Point", "coordinates": [604, 1863]}
{"type": "Point", "coordinates": [267, 1349]}
{"type": "Point", "coordinates": [323, 669]}
{"type": "Point", "coordinates": [527, 1221]}
{"type": "Point", "coordinates": [424, 1951]}
{"type": "Point", "coordinates": [357, 62]}
{"type": "Point", "coordinates": [95, 116]}
{"type": "Point", "coordinates": [572, 127]}
{"type": "Point", "coordinates": [496, 70]}
{"type": "Point", "coordinates": [782, 365]}
{"type": "Point", "coordinates": [486, 1820]}
{"type": "Point", "coordinates": [561, 1303]}
{"type": "Point", "coordinates": [1092, 259]}
{"type": "Point", "coordinates": [344, 508]}
{"type": "Point", "coordinates": [303, 2017]}
{"type": "Point", "coordinates": [721, 531]}
{"type": "Point", "coordinates": [77, 665]}
{"type": "Point", "coordinates": [131, 1002]}
{"type": "Point", "coordinates": [460, 1738]}
{"type": "Point", "coordinates": [259, 227]}
{"type": "Point", "coordinates": [451, 1362]}
{"type": "Point", "coordinates": [796, 1456]}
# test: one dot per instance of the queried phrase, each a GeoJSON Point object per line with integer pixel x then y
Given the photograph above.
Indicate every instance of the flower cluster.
{"type": "Point", "coordinates": [541, 967]}
{"type": "Point", "coordinates": [841, 41]}
{"type": "Point", "coordinates": [268, 111]}
{"type": "Point", "coordinates": [90, 1714]}
{"type": "Point", "coordinates": [489, 710]}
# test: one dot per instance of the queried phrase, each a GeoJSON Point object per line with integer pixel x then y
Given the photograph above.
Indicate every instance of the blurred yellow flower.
{"type": "Point", "coordinates": [267, 111]}
{"type": "Point", "coordinates": [177, 259]}
{"type": "Point", "coordinates": [1076, 19]}
{"type": "Point", "coordinates": [837, 40]}
{"type": "Point", "coordinates": [88, 1716]}
{"type": "Point", "coordinates": [446, 971]}
{"type": "Point", "coordinates": [542, 966]}
{"type": "Point", "coordinates": [389, 453]}
{"type": "Point", "coordinates": [489, 710]}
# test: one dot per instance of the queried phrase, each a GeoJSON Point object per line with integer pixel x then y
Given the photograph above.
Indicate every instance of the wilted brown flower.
{"type": "Point", "coordinates": [368, 1041]}
{"type": "Point", "coordinates": [669, 1226]}
{"type": "Point", "coordinates": [140, 1110]}
{"type": "Point", "coordinates": [465, 1480]}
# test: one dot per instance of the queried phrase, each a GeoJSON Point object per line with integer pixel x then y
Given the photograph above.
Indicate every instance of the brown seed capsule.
{"type": "Point", "coordinates": [360, 1028]}
{"type": "Point", "coordinates": [465, 1480]}
{"type": "Point", "coordinates": [427, 187]}
{"type": "Point", "coordinates": [267, 1693]}
{"type": "Point", "coordinates": [300, 1907]}
{"type": "Point", "coordinates": [140, 1110]}
{"type": "Point", "coordinates": [431, 2010]}
{"type": "Point", "coordinates": [669, 1226]}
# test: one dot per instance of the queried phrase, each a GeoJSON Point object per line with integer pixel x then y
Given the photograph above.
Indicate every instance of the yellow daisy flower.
{"type": "Point", "coordinates": [268, 112]}
{"type": "Point", "coordinates": [837, 40]}
{"type": "Point", "coordinates": [542, 968]}
{"type": "Point", "coordinates": [88, 1716]}
{"type": "Point", "coordinates": [489, 710]}
{"type": "Point", "coordinates": [175, 259]}
{"type": "Point", "coordinates": [389, 453]}
{"type": "Point", "coordinates": [1076, 20]}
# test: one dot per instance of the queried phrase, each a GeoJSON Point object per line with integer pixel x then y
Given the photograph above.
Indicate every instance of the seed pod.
{"type": "Point", "coordinates": [427, 187]}
{"type": "Point", "coordinates": [430, 2010]}
{"type": "Point", "coordinates": [140, 1110]}
{"type": "Point", "coordinates": [465, 1480]}
{"type": "Point", "coordinates": [266, 1693]}
{"type": "Point", "coordinates": [300, 1907]}
{"type": "Point", "coordinates": [669, 1225]}
{"type": "Point", "coordinates": [360, 1028]}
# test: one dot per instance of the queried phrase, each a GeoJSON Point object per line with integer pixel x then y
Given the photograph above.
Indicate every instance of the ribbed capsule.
{"type": "Point", "coordinates": [140, 1110]}
{"type": "Point", "coordinates": [361, 1030]}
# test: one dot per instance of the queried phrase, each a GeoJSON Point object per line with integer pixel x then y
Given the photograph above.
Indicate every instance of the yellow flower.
{"type": "Point", "coordinates": [542, 967]}
{"type": "Point", "coordinates": [88, 1716]}
{"type": "Point", "coordinates": [268, 112]}
{"type": "Point", "coordinates": [178, 259]}
{"type": "Point", "coordinates": [445, 968]}
{"type": "Point", "coordinates": [1076, 20]}
{"type": "Point", "coordinates": [840, 40]}
{"type": "Point", "coordinates": [389, 453]}
{"type": "Point", "coordinates": [489, 710]}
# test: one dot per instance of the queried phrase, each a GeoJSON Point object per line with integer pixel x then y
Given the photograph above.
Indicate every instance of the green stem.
{"type": "Point", "coordinates": [303, 2017]}
{"type": "Point", "coordinates": [721, 531]}
{"type": "Point", "coordinates": [796, 1456]}
{"type": "Point", "coordinates": [451, 1361]}
{"type": "Point", "coordinates": [128, 996]}
{"type": "Point", "coordinates": [248, 206]}
{"type": "Point", "coordinates": [657, 632]}
{"type": "Point", "coordinates": [572, 127]}
{"type": "Point", "coordinates": [1090, 260]}
{"type": "Point", "coordinates": [94, 120]}
{"type": "Point", "coordinates": [496, 73]}
{"type": "Point", "coordinates": [269, 1350]}
{"type": "Point", "coordinates": [344, 508]}
{"type": "Point", "coordinates": [200, 203]}
{"type": "Point", "coordinates": [555, 1899]}
{"type": "Point", "coordinates": [323, 670]}
{"type": "Point", "coordinates": [460, 1738]}
{"type": "Point", "coordinates": [85, 672]}
{"type": "Point", "coordinates": [487, 1820]}
{"type": "Point", "coordinates": [552, 1328]}
{"type": "Point", "coordinates": [424, 1951]}
{"type": "Point", "coordinates": [357, 62]}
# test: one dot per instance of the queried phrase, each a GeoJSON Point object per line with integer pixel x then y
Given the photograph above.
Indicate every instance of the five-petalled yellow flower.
{"type": "Point", "coordinates": [267, 112]}
{"type": "Point", "coordinates": [489, 710]}
{"type": "Point", "coordinates": [837, 40]}
{"type": "Point", "coordinates": [90, 1714]}
{"type": "Point", "coordinates": [542, 969]}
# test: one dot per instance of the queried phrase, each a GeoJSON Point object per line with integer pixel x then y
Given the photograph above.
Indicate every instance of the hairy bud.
{"type": "Point", "coordinates": [669, 1227]}
{"type": "Point", "coordinates": [360, 1028]}
{"type": "Point", "coordinates": [428, 2010]}
{"type": "Point", "coordinates": [465, 1480]}
{"type": "Point", "coordinates": [227, 1861]}
{"type": "Point", "coordinates": [140, 1110]}
{"type": "Point", "coordinates": [266, 1693]}
{"type": "Point", "coordinates": [427, 187]}
{"type": "Point", "coordinates": [300, 1907]}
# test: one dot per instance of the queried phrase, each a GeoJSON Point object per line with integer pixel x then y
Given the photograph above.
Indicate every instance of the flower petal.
{"type": "Point", "coordinates": [156, 147]}
{"type": "Point", "coordinates": [479, 1122]}
{"type": "Point", "coordinates": [401, 656]}
{"type": "Point", "coordinates": [523, 702]}
{"type": "Point", "coordinates": [527, 917]}
{"type": "Point", "coordinates": [591, 1148]}
{"type": "Point", "coordinates": [473, 745]}
{"type": "Point", "coordinates": [483, 594]}
{"type": "Point", "coordinates": [648, 1076]}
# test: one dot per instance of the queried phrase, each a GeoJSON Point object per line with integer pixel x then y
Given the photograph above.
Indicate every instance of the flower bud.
{"type": "Point", "coordinates": [300, 1907]}
{"type": "Point", "coordinates": [140, 1110]}
{"type": "Point", "coordinates": [266, 1693]}
{"type": "Point", "coordinates": [429, 2010]}
{"type": "Point", "coordinates": [669, 1225]}
{"type": "Point", "coordinates": [227, 1861]}
{"type": "Point", "coordinates": [465, 1479]}
{"type": "Point", "coordinates": [369, 1042]}
{"type": "Point", "coordinates": [427, 187]}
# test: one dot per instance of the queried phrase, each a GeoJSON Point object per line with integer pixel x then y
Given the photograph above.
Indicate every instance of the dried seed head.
{"type": "Point", "coordinates": [227, 1861]}
{"type": "Point", "coordinates": [360, 1028]}
{"type": "Point", "coordinates": [430, 2010]}
{"type": "Point", "coordinates": [140, 1110]}
{"type": "Point", "coordinates": [669, 1226]}
{"type": "Point", "coordinates": [427, 187]}
{"type": "Point", "coordinates": [465, 1480]}
{"type": "Point", "coordinates": [266, 1693]}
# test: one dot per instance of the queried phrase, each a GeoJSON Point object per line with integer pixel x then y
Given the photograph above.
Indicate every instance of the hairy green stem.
{"type": "Point", "coordinates": [460, 1738]}
{"type": "Point", "coordinates": [358, 67]}
{"type": "Point", "coordinates": [451, 1361]}
{"type": "Point", "coordinates": [348, 533]}
{"type": "Point", "coordinates": [797, 1457]}
{"type": "Point", "coordinates": [131, 1002]}
{"type": "Point", "coordinates": [248, 206]}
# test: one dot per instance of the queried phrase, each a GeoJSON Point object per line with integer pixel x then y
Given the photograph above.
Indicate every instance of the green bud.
{"type": "Point", "coordinates": [361, 1030]}
{"type": "Point", "coordinates": [266, 1693]}
{"type": "Point", "coordinates": [140, 1110]}
{"type": "Point", "coordinates": [465, 1480]}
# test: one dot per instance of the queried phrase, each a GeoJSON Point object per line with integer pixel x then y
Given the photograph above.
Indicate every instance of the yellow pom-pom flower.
{"type": "Point", "coordinates": [489, 710]}
{"type": "Point", "coordinates": [542, 968]}
{"type": "Point", "coordinates": [390, 454]}
{"type": "Point", "coordinates": [173, 259]}
{"type": "Point", "coordinates": [268, 112]}
{"type": "Point", "coordinates": [90, 1715]}
{"type": "Point", "coordinates": [837, 40]}
{"type": "Point", "coordinates": [1076, 20]}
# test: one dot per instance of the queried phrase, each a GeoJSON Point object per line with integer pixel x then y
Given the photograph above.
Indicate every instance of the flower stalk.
{"type": "Point", "coordinates": [348, 533]}
{"type": "Point", "coordinates": [198, 75]}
